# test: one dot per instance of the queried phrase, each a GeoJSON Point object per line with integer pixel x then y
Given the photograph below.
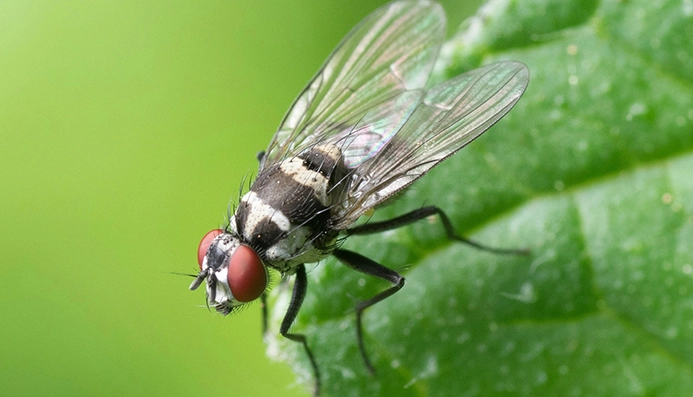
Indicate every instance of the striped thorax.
{"type": "Point", "coordinates": [284, 220]}
{"type": "Point", "coordinates": [285, 215]}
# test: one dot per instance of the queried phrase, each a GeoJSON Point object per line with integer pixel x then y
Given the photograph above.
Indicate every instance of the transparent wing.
{"type": "Point", "coordinates": [449, 116]}
{"type": "Point", "coordinates": [370, 83]}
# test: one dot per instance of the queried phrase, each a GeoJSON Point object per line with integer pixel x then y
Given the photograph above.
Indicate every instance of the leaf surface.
{"type": "Point", "coordinates": [592, 171]}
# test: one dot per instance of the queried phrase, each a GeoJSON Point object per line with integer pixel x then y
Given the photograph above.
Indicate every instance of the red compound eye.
{"type": "Point", "coordinates": [204, 245]}
{"type": "Point", "coordinates": [247, 275]}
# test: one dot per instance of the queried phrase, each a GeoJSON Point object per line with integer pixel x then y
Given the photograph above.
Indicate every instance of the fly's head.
{"type": "Point", "coordinates": [234, 272]}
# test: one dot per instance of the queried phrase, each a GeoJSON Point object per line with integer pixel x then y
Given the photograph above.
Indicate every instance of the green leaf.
{"type": "Point", "coordinates": [592, 171]}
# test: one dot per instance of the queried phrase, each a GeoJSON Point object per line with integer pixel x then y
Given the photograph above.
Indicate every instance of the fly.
{"type": "Point", "coordinates": [364, 128]}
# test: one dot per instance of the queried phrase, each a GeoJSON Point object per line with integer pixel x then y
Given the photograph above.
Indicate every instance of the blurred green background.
{"type": "Point", "coordinates": [125, 129]}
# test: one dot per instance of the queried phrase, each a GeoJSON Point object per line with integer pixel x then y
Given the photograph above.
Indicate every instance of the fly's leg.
{"type": "Point", "coordinates": [372, 268]}
{"type": "Point", "coordinates": [421, 213]}
{"type": "Point", "coordinates": [265, 310]}
{"type": "Point", "coordinates": [300, 287]}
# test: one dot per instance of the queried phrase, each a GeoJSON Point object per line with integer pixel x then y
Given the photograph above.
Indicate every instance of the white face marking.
{"type": "Point", "coordinates": [260, 211]}
{"type": "Point", "coordinates": [294, 168]}
{"type": "Point", "coordinates": [223, 292]}
{"type": "Point", "coordinates": [217, 282]}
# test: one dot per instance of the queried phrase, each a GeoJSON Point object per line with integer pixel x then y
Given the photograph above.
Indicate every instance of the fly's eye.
{"type": "Point", "coordinates": [205, 243]}
{"type": "Point", "coordinates": [247, 275]}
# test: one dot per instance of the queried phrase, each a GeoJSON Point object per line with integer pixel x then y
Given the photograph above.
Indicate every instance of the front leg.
{"type": "Point", "coordinates": [299, 293]}
{"type": "Point", "coordinates": [265, 313]}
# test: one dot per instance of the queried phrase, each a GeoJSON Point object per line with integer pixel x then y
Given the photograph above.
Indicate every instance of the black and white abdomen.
{"type": "Point", "coordinates": [285, 216]}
